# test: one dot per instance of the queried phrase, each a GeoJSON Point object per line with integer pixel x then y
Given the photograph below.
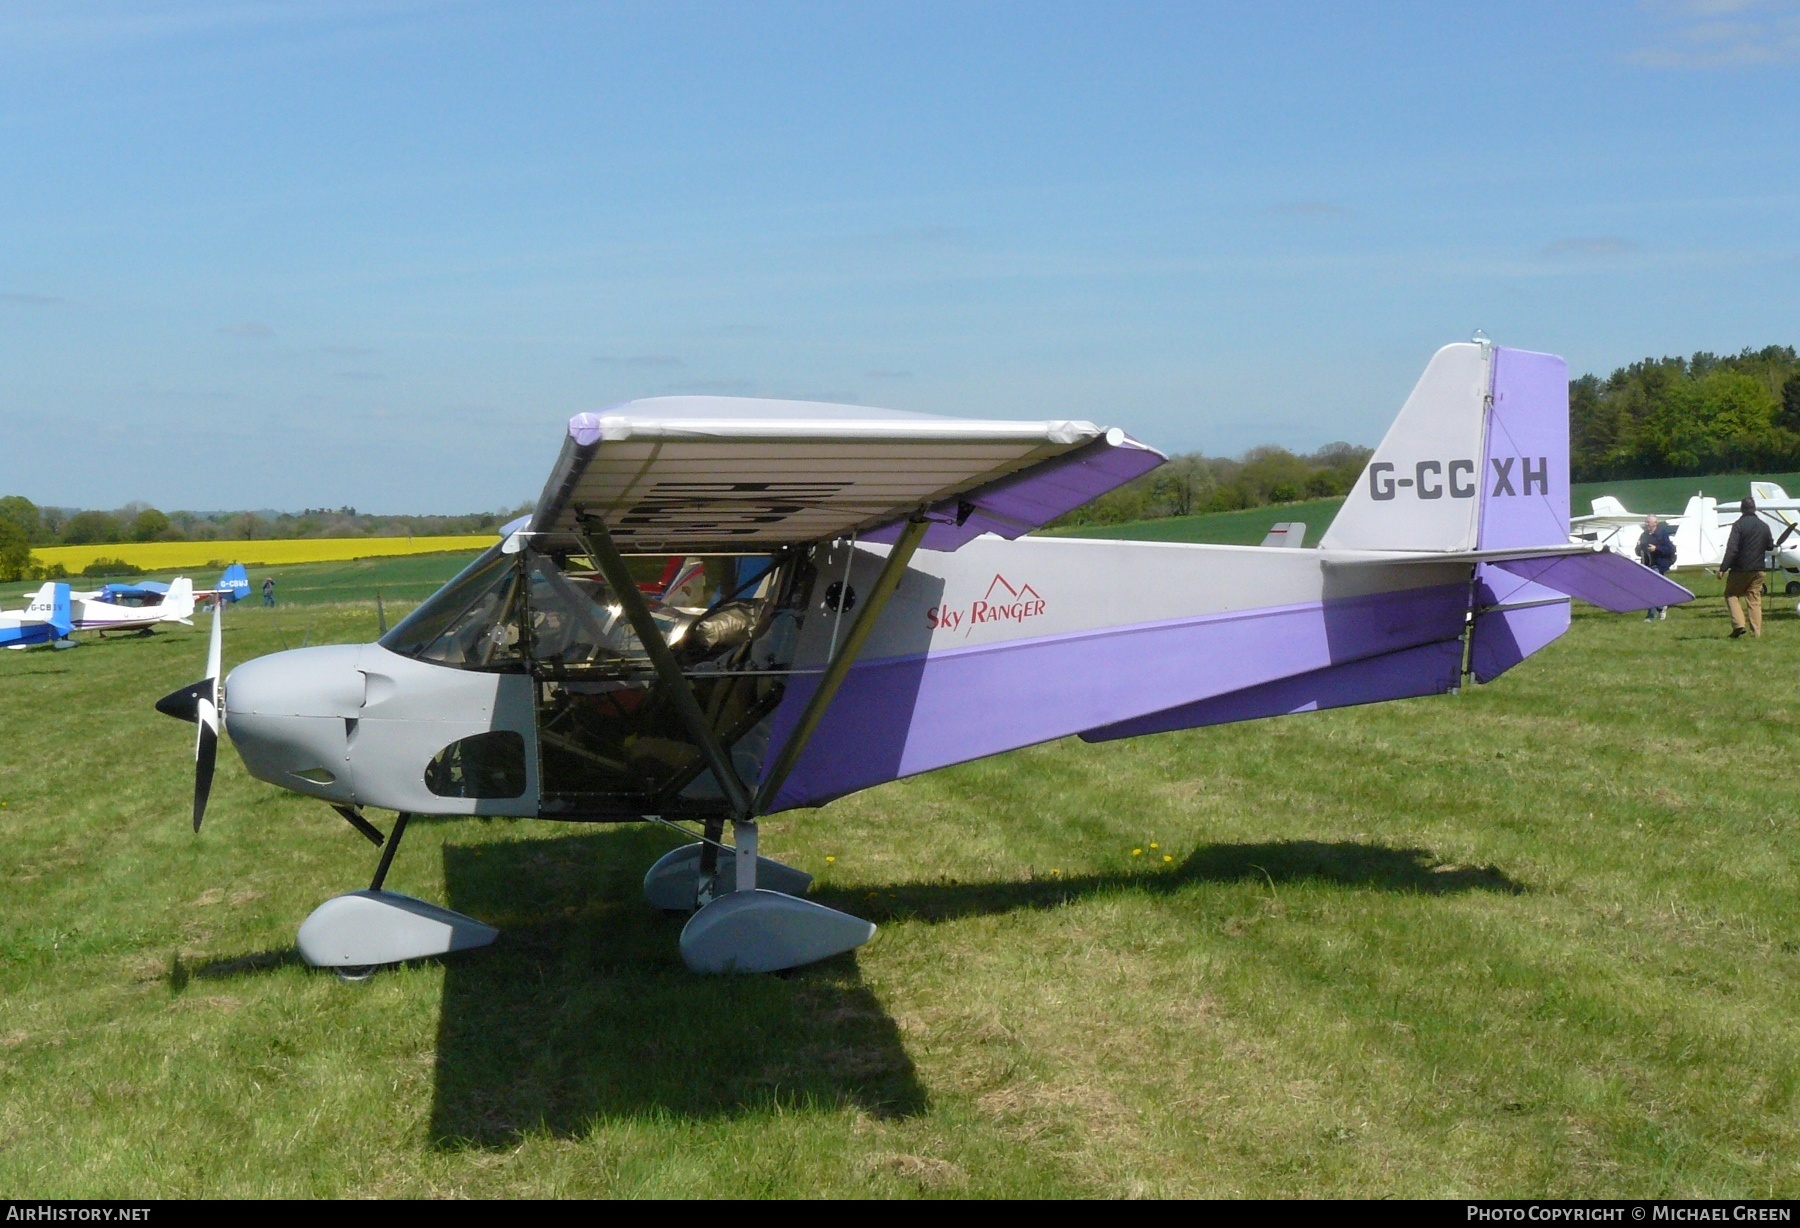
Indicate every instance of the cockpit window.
{"type": "Point", "coordinates": [576, 622]}
{"type": "Point", "coordinates": [470, 623]}
{"type": "Point", "coordinates": [611, 739]}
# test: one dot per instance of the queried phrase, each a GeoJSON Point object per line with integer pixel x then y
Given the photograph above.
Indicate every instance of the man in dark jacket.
{"type": "Point", "coordinates": [1746, 555]}
{"type": "Point", "coordinates": [1656, 550]}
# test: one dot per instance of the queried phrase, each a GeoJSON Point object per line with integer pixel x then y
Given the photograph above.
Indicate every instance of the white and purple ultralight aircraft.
{"type": "Point", "coordinates": [721, 609]}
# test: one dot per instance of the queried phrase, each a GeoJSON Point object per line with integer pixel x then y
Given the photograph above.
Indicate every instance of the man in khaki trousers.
{"type": "Point", "coordinates": [1746, 554]}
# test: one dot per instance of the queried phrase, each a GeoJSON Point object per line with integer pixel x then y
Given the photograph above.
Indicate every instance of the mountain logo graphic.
{"type": "Point", "coordinates": [1023, 592]}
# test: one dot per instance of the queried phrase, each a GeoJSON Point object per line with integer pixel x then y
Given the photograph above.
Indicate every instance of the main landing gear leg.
{"type": "Point", "coordinates": [694, 875]}
{"type": "Point", "coordinates": [359, 932]}
{"type": "Point", "coordinates": [752, 929]}
{"type": "Point", "coordinates": [747, 930]}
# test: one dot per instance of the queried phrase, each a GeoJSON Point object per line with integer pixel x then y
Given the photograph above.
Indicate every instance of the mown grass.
{"type": "Point", "coordinates": [1538, 939]}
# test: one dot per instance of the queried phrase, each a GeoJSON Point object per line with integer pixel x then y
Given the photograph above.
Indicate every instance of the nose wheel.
{"type": "Point", "coordinates": [356, 934]}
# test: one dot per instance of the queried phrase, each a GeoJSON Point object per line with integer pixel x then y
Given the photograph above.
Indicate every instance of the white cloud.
{"type": "Point", "coordinates": [1721, 34]}
{"type": "Point", "coordinates": [1590, 245]}
{"type": "Point", "coordinates": [1309, 209]}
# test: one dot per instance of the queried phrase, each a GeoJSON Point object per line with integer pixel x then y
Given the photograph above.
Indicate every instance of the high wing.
{"type": "Point", "coordinates": [702, 475]}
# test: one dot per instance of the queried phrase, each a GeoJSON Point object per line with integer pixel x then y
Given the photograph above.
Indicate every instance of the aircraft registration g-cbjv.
{"type": "Point", "coordinates": [721, 609]}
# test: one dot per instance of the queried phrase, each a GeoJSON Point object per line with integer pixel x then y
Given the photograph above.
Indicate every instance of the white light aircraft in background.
{"type": "Point", "coordinates": [1699, 539]}
{"type": "Point", "coordinates": [1701, 530]}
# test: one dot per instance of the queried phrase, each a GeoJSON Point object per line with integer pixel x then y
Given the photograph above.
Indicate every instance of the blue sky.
{"type": "Point", "coordinates": [280, 255]}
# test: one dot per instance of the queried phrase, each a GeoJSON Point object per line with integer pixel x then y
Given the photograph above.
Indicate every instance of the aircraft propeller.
{"type": "Point", "coordinates": [199, 702]}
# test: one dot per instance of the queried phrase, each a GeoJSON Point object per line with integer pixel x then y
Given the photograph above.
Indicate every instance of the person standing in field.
{"type": "Point", "coordinates": [268, 590]}
{"type": "Point", "coordinates": [1656, 550]}
{"type": "Point", "coordinates": [1746, 555]}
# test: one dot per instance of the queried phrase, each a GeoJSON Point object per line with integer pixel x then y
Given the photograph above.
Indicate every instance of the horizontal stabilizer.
{"type": "Point", "coordinates": [1599, 577]}
{"type": "Point", "coordinates": [1291, 533]}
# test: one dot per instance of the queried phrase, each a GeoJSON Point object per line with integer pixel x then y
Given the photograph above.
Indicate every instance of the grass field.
{"type": "Point", "coordinates": [1539, 939]}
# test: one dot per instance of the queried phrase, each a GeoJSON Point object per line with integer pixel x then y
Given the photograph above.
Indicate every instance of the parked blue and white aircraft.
{"type": "Point", "coordinates": [233, 586]}
{"type": "Point", "coordinates": [868, 606]}
{"type": "Point", "coordinates": [94, 612]}
{"type": "Point", "coordinates": [45, 620]}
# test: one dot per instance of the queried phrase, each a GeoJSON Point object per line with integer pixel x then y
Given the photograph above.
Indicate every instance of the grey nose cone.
{"type": "Point", "coordinates": [320, 681]}
{"type": "Point", "coordinates": [290, 715]}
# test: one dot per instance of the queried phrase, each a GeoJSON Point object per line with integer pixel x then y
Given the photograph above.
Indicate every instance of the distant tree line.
{"type": "Point", "coordinates": [24, 525]}
{"type": "Point", "coordinates": [1682, 417]}
{"type": "Point", "coordinates": [1661, 417]}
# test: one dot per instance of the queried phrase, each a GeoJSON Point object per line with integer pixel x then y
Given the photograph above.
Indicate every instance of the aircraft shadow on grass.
{"type": "Point", "coordinates": [1346, 863]}
{"type": "Point", "coordinates": [582, 1010]}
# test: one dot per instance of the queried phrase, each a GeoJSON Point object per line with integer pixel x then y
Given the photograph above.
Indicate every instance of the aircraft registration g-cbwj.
{"type": "Point", "coordinates": [721, 609]}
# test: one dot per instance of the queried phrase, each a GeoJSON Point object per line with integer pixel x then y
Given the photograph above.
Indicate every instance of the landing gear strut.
{"type": "Point", "coordinates": [356, 933]}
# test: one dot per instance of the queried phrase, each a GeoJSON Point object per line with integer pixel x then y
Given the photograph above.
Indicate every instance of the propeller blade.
{"type": "Point", "coordinates": [215, 647]}
{"type": "Point", "coordinates": [206, 754]}
{"type": "Point", "coordinates": [206, 715]}
{"type": "Point", "coordinates": [380, 612]}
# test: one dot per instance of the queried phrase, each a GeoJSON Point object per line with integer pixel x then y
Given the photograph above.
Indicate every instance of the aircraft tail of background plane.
{"type": "Point", "coordinates": [1699, 541]}
{"type": "Point", "coordinates": [1607, 505]}
{"type": "Point", "coordinates": [51, 603]}
{"type": "Point", "coordinates": [178, 604]}
{"type": "Point", "coordinates": [234, 584]}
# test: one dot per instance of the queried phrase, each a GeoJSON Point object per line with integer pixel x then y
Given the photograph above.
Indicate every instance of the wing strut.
{"type": "Point", "coordinates": [840, 664]}
{"type": "Point", "coordinates": [599, 545]}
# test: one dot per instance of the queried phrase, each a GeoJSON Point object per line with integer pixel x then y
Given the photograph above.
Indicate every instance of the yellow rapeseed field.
{"type": "Point", "coordinates": [170, 556]}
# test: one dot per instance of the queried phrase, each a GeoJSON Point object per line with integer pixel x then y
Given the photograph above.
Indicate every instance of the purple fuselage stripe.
{"type": "Point", "coordinates": [899, 716]}
{"type": "Point", "coordinates": [1430, 669]}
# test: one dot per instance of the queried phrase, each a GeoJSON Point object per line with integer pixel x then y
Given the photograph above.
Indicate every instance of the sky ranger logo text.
{"type": "Point", "coordinates": [1001, 603]}
{"type": "Point", "coordinates": [1511, 475]}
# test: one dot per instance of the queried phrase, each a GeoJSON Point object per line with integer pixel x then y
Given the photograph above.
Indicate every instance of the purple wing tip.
{"type": "Point", "coordinates": [584, 429]}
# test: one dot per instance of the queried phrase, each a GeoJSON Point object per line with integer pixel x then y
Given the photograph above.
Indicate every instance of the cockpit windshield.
{"type": "Point", "coordinates": [470, 623]}
{"type": "Point", "coordinates": [611, 740]}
